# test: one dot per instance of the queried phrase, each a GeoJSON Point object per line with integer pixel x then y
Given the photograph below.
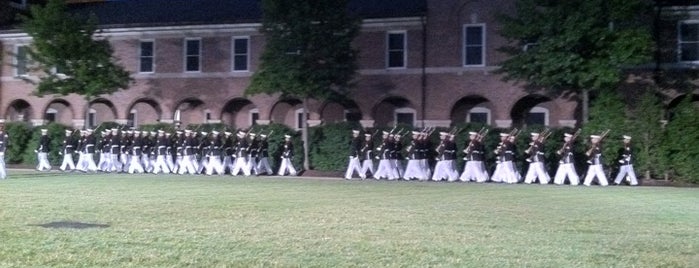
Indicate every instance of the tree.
{"type": "Point", "coordinates": [67, 56]}
{"type": "Point", "coordinates": [680, 142]}
{"type": "Point", "coordinates": [575, 46]}
{"type": "Point", "coordinates": [648, 134]}
{"type": "Point", "coordinates": [308, 52]}
{"type": "Point", "coordinates": [608, 112]}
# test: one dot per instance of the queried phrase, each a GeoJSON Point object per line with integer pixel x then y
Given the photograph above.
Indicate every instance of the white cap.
{"type": "Point", "coordinates": [43, 130]}
{"type": "Point", "coordinates": [68, 131]}
{"type": "Point", "coordinates": [89, 130]}
{"type": "Point", "coordinates": [385, 132]}
{"type": "Point", "coordinates": [187, 131]}
{"type": "Point", "coordinates": [161, 131]}
{"type": "Point", "coordinates": [287, 136]}
{"type": "Point", "coordinates": [153, 133]}
{"type": "Point", "coordinates": [367, 135]}
{"type": "Point", "coordinates": [595, 136]}
{"type": "Point", "coordinates": [227, 133]}
{"type": "Point", "coordinates": [136, 132]}
{"type": "Point", "coordinates": [204, 133]}
{"type": "Point", "coordinates": [416, 132]}
{"type": "Point", "coordinates": [443, 133]}
{"type": "Point", "coordinates": [568, 135]}
{"type": "Point", "coordinates": [502, 134]}
{"type": "Point", "coordinates": [535, 134]}
{"type": "Point", "coordinates": [252, 135]}
{"type": "Point", "coordinates": [114, 130]}
{"type": "Point", "coordinates": [626, 137]}
{"type": "Point", "coordinates": [240, 134]}
{"type": "Point", "coordinates": [214, 132]}
{"type": "Point", "coordinates": [472, 133]}
{"type": "Point", "coordinates": [355, 131]}
{"type": "Point", "coordinates": [263, 136]}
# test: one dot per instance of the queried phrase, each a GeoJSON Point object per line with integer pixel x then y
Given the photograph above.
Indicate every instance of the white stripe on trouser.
{"type": "Point", "coordinates": [536, 171]}
{"type": "Point", "coordinates": [286, 166]}
{"type": "Point", "coordinates": [566, 170]}
{"type": "Point", "coordinates": [626, 170]}
{"type": "Point", "coordinates": [67, 162]}
{"type": "Point", "coordinates": [595, 171]}
{"type": "Point", "coordinates": [353, 166]}
{"type": "Point", "coordinates": [43, 162]}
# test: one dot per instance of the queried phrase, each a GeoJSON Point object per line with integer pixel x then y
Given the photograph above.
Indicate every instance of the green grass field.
{"type": "Point", "coordinates": [175, 221]}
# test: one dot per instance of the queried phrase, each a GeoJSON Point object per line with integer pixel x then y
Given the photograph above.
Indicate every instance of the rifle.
{"type": "Point", "coordinates": [566, 144]}
{"type": "Point", "coordinates": [602, 136]}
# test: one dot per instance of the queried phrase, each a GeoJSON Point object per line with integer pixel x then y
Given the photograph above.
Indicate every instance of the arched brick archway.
{"type": "Point", "coordinates": [288, 112]}
{"type": "Point", "coordinates": [394, 110]}
{"type": "Point", "coordinates": [143, 111]}
{"type": "Point", "coordinates": [532, 109]}
{"type": "Point", "coordinates": [59, 111]}
{"type": "Point", "coordinates": [340, 111]}
{"type": "Point", "coordinates": [472, 109]}
{"type": "Point", "coordinates": [100, 111]}
{"type": "Point", "coordinates": [239, 113]}
{"type": "Point", "coordinates": [192, 111]}
{"type": "Point", "coordinates": [19, 110]}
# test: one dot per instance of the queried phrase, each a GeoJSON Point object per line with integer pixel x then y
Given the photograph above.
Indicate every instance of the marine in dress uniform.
{"type": "Point", "coordinates": [214, 155]}
{"type": "Point", "coordinates": [385, 168]}
{"type": "Point", "coordinates": [595, 169]}
{"type": "Point", "coordinates": [42, 151]}
{"type": "Point", "coordinates": [446, 153]}
{"type": "Point", "coordinates": [505, 170]}
{"type": "Point", "coordinates": [188, 154]}
{"type": "Point", "coordinates": [367, 156]}
{"type": "Point", "coordinates": [263, 164]}
{"type": "Point", "coordinates": [474, 169]}
{"type": "Point", "coordinates": [287, 156]}
{"type": "Point", "coordinates": [414, 169]}
{"type": "Point", "coordinates": [354, 155]}
{"type": "Point", "coordinates": [160, 148]}
{"type": "Point", "coordinates": [135, 165]}
{"type": "Point", "coordinates": [115, 164]}
{"type": "Point", "coordinates": [626, 163]}
{"type": "Point", "coordinates": [67, 151]}
{"type": "Point", "coordinates": [241, 155]}
{"type": "Point", "coordinates": [566, 166]}
{"type": "Point", "coordinates": [537, 170]}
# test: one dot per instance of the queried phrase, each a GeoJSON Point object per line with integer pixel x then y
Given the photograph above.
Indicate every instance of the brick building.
{"type": "Point", "coordinates": [422, 62]}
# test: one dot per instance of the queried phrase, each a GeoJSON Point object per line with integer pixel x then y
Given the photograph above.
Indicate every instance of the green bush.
{"type": "Point", "coordinates": [330, 146]}
{"type": "Point", "coordinates": [19, 134]}
{"type": "Point", "coordinates": [56, 132]}
{"type": "Point", "coordinates": [680, 142]}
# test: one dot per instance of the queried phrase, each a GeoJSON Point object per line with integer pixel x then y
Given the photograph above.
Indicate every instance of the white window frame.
{"type": "Point", "coordinates": [545, 111]}
{"type": "Point", "coordinates": [140, 56]}
{"type": "Point", "coordinates": [251, 117]}
{"type": "Point", "coordinates": [207, 116]}
{"type": "Point", "coordinates": [26, 61]}
{"type": "Point", "coordinates": [247, 53]}
{"type": "Point", "coordinates": [483, 45]}
{"type": "Point", "coordinates": [404, 110]}
{"type": "Point", "coordinates": [405, 49]}
{"type": "Point", "coordinates": [479, 110]}
{"type": "Point", "coordinates": [134, 112]}
{"type": "Point", "coordinates": [91, 116]}
{"type": "Point", "coordinates": [296, 118]}
{"type": "Point", "coordinates": [51, 111]}
{"type": "Point", "coordinates": [680, 42]}
{"type": "Point", "coordinates": [186, 40]}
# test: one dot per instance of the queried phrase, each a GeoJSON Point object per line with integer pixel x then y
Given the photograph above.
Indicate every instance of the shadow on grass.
{"type": "Point", "coordinates": [70, 225]}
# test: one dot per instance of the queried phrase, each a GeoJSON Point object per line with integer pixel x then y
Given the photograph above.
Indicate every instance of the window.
{"type": "Point", "coordinates": [132, 119]}
{"type": "Point", "coordinates": [91, 118]}
{"type": "Point", "coordinates": [21, 60]}
{"type": "Point", "coordinates": [538, 116]}
{"type": "Point", "coordinates": [474, 45]}
{"type": "Point", "coordinates": [404, 116]}
{"type": "Point", "coordinates": [147, 57]}
{"type": "Point", "coordinates": [240, 54]}
{"type": "Point", "coordinates": [207, 115]}
{"type": "Point", "coordinates": [396, 45]}
{"type": "Point", "coordinates": [254, 116]}
{"type": "Point", "coordinates": [192, 55]}
{"type": "Point", "coordinates": [299, 118]}
{"type": "Point", "coordinates": [688, 41]}
{"type": "Point", "coordinates": [479, 115]}
{"type": "Point", "coordinates": [50, 115]}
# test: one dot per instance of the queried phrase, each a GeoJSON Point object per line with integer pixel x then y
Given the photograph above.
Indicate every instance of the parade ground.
{"type": "Point", "coordinates": [59, 219]}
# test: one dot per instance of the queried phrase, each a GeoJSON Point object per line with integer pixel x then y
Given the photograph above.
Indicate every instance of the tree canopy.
{"type": "Point", "coordinates": [308, 52]}
{"type": "Point", "coordinates": [576, 46]}
{"type": "Point", "coordinates": [66, 55]}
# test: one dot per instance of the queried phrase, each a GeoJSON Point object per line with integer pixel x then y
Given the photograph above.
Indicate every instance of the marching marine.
{"type": "Point", "coordinates": [537, 169]}
{"type": "Point", "coordinates": [354, 155]}
{"type": "Point", "coordinates": [595, 169]}
{"type": "Point", "coordinates": [287, 156]}
{"type": "Point", "coordinates": [566, 166]}
{"type": "Point", "coordinates": [626, 163]}
{"type": "Point", "coordinates": [67, 151]}
{"type": "Point", "coordinates": [4, 141]}
{"type": "Point", "coordinates": [42, 151]}
{"type": "Point", "coordinates": [474, 170]}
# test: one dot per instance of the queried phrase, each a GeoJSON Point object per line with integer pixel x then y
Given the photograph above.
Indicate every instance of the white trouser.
{"type": "Point", "coordinates": [104, 161]}
{"type": "Point", "coordinates": [626, 170]}
{"type": "Point", "coordinates": [67, 162]}
{"type": "Point", "coordinates": [3, 173]}
{"type": "Point", "coordinates": [252, 165]}
{"type": "Point", "coordinates": [214, 165]}
{"type": "Point", "coordinates": [353, 166]}
{"type": "Point", "coordinates": [566, 170]}
{"type": "Point", "coordinates": [474, 171]}
{"type": "Point", "coordinates": [187, 166]}
{"type": "Point", "coordinates": [286, 166]}
{"type": "Point", "coordinates": [135, 165]}
{"type": "Point", "coordinates": [444, 169]}
{"type": "Point", "coordinates": [170, 162]}
{"type": "Point", "coordinates": [385, 170]}
{"type": "Point", "coordinates": [114, 163]}
{"type": "Point", "coordinates": [160, 165]}
{"type": "Point", "coordinates": [595, 171]}
{"type": "Point", "coordinates": [263, 165]}
{"type": "Point", "coordinates": [537, 171]}
{"type": "Point", "coordinates": [241, 164]}
{"type": "Point", "coordinates": [43, 161]}
{"type": "Point", "coordinates": [413, 170]}
{"type": "Point", "coordinates": [367, 165]}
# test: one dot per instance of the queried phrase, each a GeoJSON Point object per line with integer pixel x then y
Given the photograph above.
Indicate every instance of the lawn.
{"type": "Point", "coordinates": [109, 220]}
